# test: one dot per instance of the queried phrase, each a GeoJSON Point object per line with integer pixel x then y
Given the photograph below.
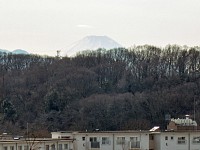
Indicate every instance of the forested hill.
{"type": "Point", "coordinates": [109, 90]}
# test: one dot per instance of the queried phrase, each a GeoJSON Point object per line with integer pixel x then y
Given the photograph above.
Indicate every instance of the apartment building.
{"type": "Point", "coordinates": [181, 134]}
{"type": "Point", "coordinates": [108, 140]}
{"type": "Point", "coordinates": [183, 140]}
{"type": "Point", "coordinates": [20, 143]}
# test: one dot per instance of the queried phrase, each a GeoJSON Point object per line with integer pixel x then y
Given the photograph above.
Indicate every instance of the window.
{"type": "Point", "coordinates": [47, 147]}
{"type": "Point", "coordinates": [134, 142]}
{"type": "Point", "coordinates": [59, 146]}
{"type": "Point", "coordinates": [65, 137]}
{"type": "Point", "coordinates": [83, 138]}
{"type": "Point", "coordinates": [151, 137]}
{"type": "Point", "coordinates": [93, 139]}
{"type": "Point", "coordinates": [11, 147]}
{"type": "Point", "coordinates": [166, 137]}
{"type": "Point", "coordinates": [181, 140]}
{"type": "Point", "coordinates": [26, 147]}
{"type": "Point", "coordinates": [105, 140]}
{"type": "Point", "coordinates": [133, 139]}
{"type": "Point", "coordinates": [196, 140]}
{"type": "Point", "coordinates": [94, 143]}
{"type": "Point", "coordinates": [53, 147]}
{"type": "Point", "coordinates": [65, 146]}
{"type": "Point", "coordinates": [19, 148]}
{"type": "Point", "coordinates": [120, 140]}
{"type": "Point", "coordinates": [5, 148]}
{"type": "Point", "coordinates": [172, 137]}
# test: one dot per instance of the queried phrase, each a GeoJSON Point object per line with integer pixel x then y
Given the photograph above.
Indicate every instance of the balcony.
{"type": "Point", "coordinates": [134, 145]}
{"type": "Point", "coordinates": [181, 141]}
{"type": "Point", "coordinates": [93, 146]}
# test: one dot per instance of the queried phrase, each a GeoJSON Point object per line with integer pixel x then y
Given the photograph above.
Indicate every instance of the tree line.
{"type": "Point", "coordinates": [115, 89]}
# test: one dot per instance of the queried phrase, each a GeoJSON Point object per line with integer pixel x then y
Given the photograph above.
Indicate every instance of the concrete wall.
{"type": "Point", "coordinates": [58, 135]}
{"type": "Point", "coordinates": [37, 145]}
{"type": "Point", "coordinates": [157, 141]}
{"type": "Point", "coordinates": [82, 140]}
{"type": "Point", "coordinates": [162, 140]}
{"type": "Point", "coordinates": [169, 141]}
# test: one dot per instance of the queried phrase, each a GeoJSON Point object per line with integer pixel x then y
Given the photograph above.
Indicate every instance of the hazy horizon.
{"type": "Point", "coordinates": [44, 26]}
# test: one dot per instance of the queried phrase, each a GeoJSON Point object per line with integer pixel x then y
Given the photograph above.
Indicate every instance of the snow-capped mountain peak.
{"type": "Point", "coordinates": [92, 43]}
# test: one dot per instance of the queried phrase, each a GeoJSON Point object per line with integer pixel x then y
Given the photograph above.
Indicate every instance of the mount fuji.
{"type": "Point", "coordinates": [92, 43]}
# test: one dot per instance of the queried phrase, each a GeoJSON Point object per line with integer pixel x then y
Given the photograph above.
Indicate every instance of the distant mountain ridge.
{"type": "Point", "coordinates": [17, 51]}
{"type": "Point", "coordinates": [92, 43]}
{"type": "Point", "coordinates": [4, 51]}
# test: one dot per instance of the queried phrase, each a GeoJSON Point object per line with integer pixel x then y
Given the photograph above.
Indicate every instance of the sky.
{"type": "Point", "coordinates": [45, 26]}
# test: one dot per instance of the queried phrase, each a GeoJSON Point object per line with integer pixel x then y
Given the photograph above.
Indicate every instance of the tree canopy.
{"type": "Point", "coordinates": [110, 90]}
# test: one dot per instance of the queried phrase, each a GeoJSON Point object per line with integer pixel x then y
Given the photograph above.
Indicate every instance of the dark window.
{"type": "Point", "coordinates": [166, 137]}
{"type": "Point", "coordinates": [151, 137]}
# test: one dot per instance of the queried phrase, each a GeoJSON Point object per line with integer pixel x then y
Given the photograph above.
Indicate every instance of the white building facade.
{"type": "Point", "coordinates": [133, 140]}
{"type": "Point", "coordinates": [177, 140]}
{"type": "Point", "coordinates": [110, 140]}
{"type": "Point", "coordinates": [36, 144]}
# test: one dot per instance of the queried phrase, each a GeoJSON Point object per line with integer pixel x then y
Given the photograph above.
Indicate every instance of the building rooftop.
{"type": "Point", "coordinates": [184, 122]}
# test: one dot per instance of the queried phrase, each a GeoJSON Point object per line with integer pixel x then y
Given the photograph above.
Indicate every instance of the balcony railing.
{"type": "Point", "coordinates": [135, 144]}
{"type": "Point", "coordinates": [120, 142]}
{"type": "Point", "coordinates": [106, 142]}
{"type": "Point", "coordinates": [181, 141]}
{"type": "Point", "coordinates": [94, 145]}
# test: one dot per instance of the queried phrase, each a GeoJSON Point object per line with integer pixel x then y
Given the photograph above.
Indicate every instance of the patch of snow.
{"type": "Point", "coordinates": [92, 43]}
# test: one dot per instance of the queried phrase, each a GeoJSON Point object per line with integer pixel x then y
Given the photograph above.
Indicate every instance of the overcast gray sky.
{"type": "Point", "coordinates": [44, 26]}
